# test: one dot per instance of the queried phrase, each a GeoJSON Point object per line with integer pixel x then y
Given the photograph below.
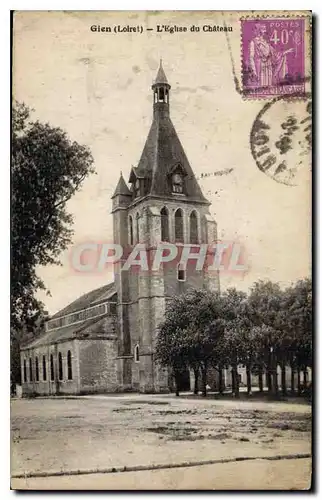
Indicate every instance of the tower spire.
{"type": "Point", "coordinates": [163, 159]}
{"type": "Point", "coordinates": [121, 188]}
{"type": "Point", "coordinates": [161, 77]}
{"type": "Point", "coordinates": [161, 93]}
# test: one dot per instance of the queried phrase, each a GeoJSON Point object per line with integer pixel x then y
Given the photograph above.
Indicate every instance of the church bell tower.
{"type": "Point", "coordinates": [163, 203]}
{"type": "Point", "coordinates": [161, 93]}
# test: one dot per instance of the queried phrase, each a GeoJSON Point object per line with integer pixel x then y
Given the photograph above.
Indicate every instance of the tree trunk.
{"type": "Point", "coordinates": [299, 381]}
{"type": "Point", "coordinates": [249, 380]}
{"type": "Point", "coordinates": [196, 372]}
{"type": "Point", "coordinates": [177, 382]}
{"type": "Point", "coordinates": [15, 368]}
{"type": "Point", "coordinates": [221, 381]}
{"type": "Point", "coordinates": [204, 380]}
{"type": "Point", "coordinates": [305, 377]}
{"type": "Point", "coordinates": [236, 381]}
{"type": "Point", "coordinates": [233, 381]}
{"type": "Point", "coordinates": [292, 380]}
{"type": "Point", "coordinates": [275, 380]}
{"type": "Point", "coordinates": [260, 380]}
{"type": "Point", "coordinates": [284, 388]}
{"type": "Point", "coordinates": [268, 379]}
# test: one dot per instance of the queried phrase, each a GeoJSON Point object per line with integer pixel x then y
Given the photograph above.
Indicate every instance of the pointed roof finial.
{"type": "Point", "coordinates": [121, 188]}
{"type": "Point", "coordinates": [161, 78]}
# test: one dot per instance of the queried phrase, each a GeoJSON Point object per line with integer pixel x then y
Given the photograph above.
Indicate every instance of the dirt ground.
{"type": "Point", "coordinates": [254, 475]}
{"type": "Point", "coordinates": [99, 432]}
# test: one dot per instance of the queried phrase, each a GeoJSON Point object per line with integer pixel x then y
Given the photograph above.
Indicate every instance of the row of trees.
{"type": "Point", "coordinates": [267, 328]}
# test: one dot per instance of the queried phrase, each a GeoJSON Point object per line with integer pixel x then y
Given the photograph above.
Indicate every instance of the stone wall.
{"type": "Point", "coordinates": [142, 295]}
{"type": "Point", "coordinates": [97, 365]}
{"type": "Point", "coordinates": [93, 363]}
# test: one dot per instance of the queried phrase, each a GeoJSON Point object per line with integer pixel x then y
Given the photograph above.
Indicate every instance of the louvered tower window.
{"type": "Point", "coordinates": [178, 220]}
{"type": "Point", "coordinates": [193, 227]}
{"type": "Point", "coordinates": [164, 224]}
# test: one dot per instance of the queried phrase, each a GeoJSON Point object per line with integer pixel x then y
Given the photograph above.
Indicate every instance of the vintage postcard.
{"type": "Point", "coordinates": [161, 320]}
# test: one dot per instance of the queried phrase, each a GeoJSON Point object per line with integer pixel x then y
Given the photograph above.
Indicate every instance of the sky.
{"type": "Point", "coordinates": [97, 87]}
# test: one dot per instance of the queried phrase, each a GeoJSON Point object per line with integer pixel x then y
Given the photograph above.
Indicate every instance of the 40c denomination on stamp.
{"type": "Point", "coordinates": [273, 57]}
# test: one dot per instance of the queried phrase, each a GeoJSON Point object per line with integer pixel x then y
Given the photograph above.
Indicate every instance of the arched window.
{"type": "Point", "coordinates": [161, 94]}
{"type": "Point", "coordinates": [164, 224]}
{"type": "Point", "coordinates": [69, 366]}
{"type": "Point", "coordinates": [44, 368]}
{"type": "Point", "coordinates": [37, 369]}
{"type": "Point", "coordinates": [194, 228]}
{"type": "Point", "coordinates": [131, 230]}
{"type": "Point", "coordinates": [178, 223]}
{"type": "Point", "coordinates": [136, 354]}
{"type": "Point", "coordinates": [24, 370]}
{"type": "Point", "coordinates": [30, 370]}
{"type": "Point", "coordinates": [137, 228]}
{"type": "Point", "coordinates": [52, 370]}
{"type": "Point", "coordinates": [60, 366]}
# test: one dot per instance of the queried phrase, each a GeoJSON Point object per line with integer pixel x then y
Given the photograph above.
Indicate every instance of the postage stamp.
{"type": "Point", "coordinates": [273, 55]}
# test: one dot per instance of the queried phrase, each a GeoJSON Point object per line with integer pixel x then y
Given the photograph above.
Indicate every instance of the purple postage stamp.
{"type": "Point", "coordinates": [273, 57]}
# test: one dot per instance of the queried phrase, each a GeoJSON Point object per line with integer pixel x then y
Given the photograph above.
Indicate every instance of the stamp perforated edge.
{"type": "Point", "coordinates": [307, 16]}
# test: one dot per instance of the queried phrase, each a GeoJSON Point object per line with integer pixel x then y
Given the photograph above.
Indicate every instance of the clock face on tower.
{"type": "Point", "coordinates": [177, 183]}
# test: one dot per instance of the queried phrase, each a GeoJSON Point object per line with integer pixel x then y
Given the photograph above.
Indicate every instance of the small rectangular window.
{"type": "Point", "coordinates": [136, 354]}
{"type": "Point", "coordinates": [181, 274]}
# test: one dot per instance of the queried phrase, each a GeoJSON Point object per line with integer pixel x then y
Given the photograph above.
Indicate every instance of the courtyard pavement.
{"type": "Point", "coordinates": [93, 434]}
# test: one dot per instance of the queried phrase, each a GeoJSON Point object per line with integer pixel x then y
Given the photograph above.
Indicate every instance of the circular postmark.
{"type": "Point", "coordinates": [281, 139]}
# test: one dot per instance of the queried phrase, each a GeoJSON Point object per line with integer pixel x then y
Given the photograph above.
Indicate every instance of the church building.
{"type": "Point", "coordinates": [105, 340]}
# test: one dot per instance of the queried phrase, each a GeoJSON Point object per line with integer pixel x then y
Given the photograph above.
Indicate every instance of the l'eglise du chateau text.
{"type": "Point", "coordinates": [160, 28]}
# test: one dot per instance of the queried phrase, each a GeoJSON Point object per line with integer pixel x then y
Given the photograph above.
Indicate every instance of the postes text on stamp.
{"type": "Point", "coordinates": [273, 57]}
